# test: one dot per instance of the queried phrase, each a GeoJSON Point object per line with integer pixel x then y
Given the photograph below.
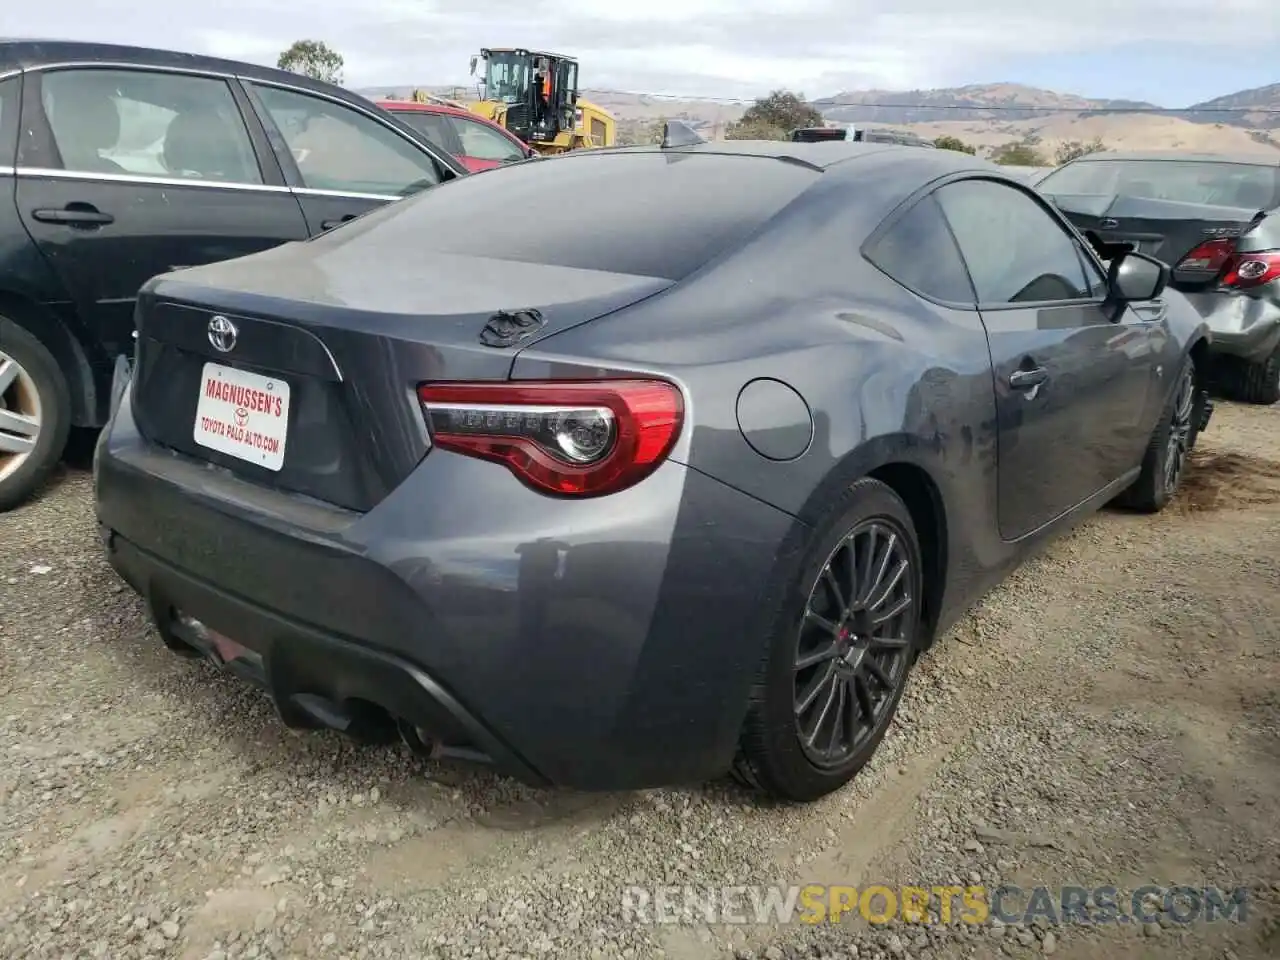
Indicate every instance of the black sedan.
{"type": "Point", "coordinates": [1215, 220]}
{"type": "Point", "coordinates": [682, 487]}
{"type": "Point", "coordinates": [121, 163]}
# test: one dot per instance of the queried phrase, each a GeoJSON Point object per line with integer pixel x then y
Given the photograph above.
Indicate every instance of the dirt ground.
{"type": "Point", "coordinates": [1110, 716]}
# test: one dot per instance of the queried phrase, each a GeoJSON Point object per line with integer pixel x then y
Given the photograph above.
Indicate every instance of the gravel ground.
{"type": "Point", "coordinates": [1111, 715]}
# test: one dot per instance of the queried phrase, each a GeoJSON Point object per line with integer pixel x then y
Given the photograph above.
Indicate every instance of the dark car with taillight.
{"type": "Point", "coordinates": [683, 487]}
{"type": "Point", "coordinates": [1215, 220]}
{"type": "Point", "coordinates": [120, 163]}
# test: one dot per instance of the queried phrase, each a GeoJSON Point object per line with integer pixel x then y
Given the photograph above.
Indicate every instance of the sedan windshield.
{"type": "Point", "coordinates": [1219, 183]}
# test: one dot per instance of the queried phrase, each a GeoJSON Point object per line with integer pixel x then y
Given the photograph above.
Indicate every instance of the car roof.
{"type": "Point", "coordinates": [29, 54]}
{"type": "Point", "coordinates": [406, 106]}
{"type": "Point", "coordinates": [819, 156]}
{"type": "Point", "coordinates": [1253, 159]}
{"type": "Point", "coordinates": [536, 53]}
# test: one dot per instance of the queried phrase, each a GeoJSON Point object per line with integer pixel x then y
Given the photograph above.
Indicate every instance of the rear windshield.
{"type": "Point", "coordinates": [647, 214]}
{"type": "Point", "coordinates": [1186, 181]}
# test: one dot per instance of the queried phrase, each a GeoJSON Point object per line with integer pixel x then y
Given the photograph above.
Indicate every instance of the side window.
{"type": "Point", "coordinates": [483, 143]}
{"type": "Point", "coordinates": [920, 253]}
{"type": "Point", "coordinates": [1016, 252]}
{"type": "Point", "coordinates": [1093, 275]}
{"type": "Point", "coordinates": [339, 148]}
{"type": "Point", "coordinates": [433, 126]}
{"type": "Point", "coordinates": [149, 124]}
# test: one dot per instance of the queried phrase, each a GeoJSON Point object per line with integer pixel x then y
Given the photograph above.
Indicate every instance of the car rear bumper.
{"type": "Point", "coordinates": [315, 678]}
{"type": "Point", "coordinates": [599, 644]}
{"type": "Point", "coordinates": [1241, 326]}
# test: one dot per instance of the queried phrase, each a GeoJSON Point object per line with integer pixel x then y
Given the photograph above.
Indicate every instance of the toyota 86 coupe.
{"type": "Point", "coordinates": [681, 489]}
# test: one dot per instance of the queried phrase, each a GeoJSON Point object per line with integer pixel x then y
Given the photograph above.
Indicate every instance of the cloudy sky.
{"type": "Point", "coordinates": [1170, 52]}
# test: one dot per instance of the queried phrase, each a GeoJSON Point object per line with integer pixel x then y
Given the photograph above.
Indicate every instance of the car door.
{"type": "Point", "coordinates": [1073, 373]}
{"type": "Point", "coordinates": [123, 174]}
{"type": "Point", "coordinates": [341, 161]}
{"type": "Point", "coordinates": [484, 147]}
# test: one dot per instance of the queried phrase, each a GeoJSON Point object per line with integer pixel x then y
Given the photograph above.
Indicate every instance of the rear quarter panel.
{"type": "Point", "coordinates": [887, 377]}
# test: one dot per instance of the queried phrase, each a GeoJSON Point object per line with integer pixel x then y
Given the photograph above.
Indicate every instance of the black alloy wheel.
{"type": "Point", "coordinates": [1178, 443]}
{"type": "Point", "coordinates": [852, 648]}
{"type": "Point", "coordinates": [1169, 448]}
{"type": "Point", "coordinates": [845, 628]}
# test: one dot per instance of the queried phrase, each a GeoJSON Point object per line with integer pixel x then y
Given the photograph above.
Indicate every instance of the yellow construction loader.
{"type": "Point", "coordinates": [535, 96]}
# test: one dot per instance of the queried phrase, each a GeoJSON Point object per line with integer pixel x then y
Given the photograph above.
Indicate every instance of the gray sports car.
{"type": "Point", "coordinates": [636, 499]}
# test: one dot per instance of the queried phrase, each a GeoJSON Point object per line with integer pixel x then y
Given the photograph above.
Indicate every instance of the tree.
{"type": "Point", "coordinates": [1074, 149]}
{"type": "Point", "coordinates": [774, 117]}
{"type": "Point", "coordinates": [640, 132]}
{"type": "Point", "coordinates": [756, 130]}
{"type": "Point", "coordinates": [314, 59]}
{"type": "Point", "coordinates": [953, 143]}
{"type": "Point", "coordinates": [652, 134]}
{"type": "Point", "coordinates": [1017, 153]}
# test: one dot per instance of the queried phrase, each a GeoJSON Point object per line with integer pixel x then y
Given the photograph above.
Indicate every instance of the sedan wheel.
{"type": "Point", "coordinates": [1260, 382]}
{"type": "Point", "coordinates": [851, 649]}
{"type": "Point", "coordinates": [20, 416]}
{"type": "Point", "coordinates": [841, 647]}
{"type": "Point", "coordinates": [35, 413]}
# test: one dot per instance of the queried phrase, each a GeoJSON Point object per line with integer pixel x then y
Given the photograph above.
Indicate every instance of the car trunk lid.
{"type": "Point", "coordinates": [1168, 230]}
{"type": "Point", "coordinates": [296, 367]}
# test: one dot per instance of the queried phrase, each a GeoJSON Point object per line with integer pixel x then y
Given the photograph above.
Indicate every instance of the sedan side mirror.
{"type": "Point", "coordinates": [1135, 276]}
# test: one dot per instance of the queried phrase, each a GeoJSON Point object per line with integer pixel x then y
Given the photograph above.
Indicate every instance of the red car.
{"type": "Point", "coordinates": [477, 143]}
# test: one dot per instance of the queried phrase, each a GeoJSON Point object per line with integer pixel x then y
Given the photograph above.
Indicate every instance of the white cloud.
{"type": "Point", "coordinates": [709, 47]}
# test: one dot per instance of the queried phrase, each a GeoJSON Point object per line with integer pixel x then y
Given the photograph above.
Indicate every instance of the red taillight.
{"type": "Point", "coordinates": [578, 438]}
{"type": "Point", "coordinates": [1219, 258]}
{"type": "Point", "coordinates": [1210, 257]}
{"type": "Point", "coordinates": [1252, 269]}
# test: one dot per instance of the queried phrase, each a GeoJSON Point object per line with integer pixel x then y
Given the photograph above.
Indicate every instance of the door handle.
{"type": "Point", "coordinates": [1024, 379]}
{"type": "Point", "coordinates": [75, 215]}
{"type": "Point", "coordinates": [1151, 310]}
{"type": "Point", "coordinates": [330, 224]}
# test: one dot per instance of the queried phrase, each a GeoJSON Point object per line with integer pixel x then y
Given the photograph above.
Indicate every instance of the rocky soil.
{"type": "Point", "coordinates": [1110, 716]}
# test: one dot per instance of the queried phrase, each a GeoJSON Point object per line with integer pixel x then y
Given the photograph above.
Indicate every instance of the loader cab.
{"type": "Point", "coordinates": [539, 91]}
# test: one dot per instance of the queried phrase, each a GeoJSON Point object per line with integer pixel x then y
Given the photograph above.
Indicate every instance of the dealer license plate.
{"type": "Point", "coordinates": [244, 415]}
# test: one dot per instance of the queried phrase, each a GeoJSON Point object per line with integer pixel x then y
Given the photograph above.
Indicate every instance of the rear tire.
{"type": "Point", "coordinates": [1257, 382]}
{"type": "Point", "coordinates": [33, 387]}
{"type": "Point", "coordinates": [1169, 448]}
{"type": "Point", "coordinates": [841, 647]}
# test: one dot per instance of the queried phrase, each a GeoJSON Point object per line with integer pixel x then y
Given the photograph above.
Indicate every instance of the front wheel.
{"type": "Point", "coordinates": [838, 658]}
{"type": "Point", "coordinates": [1169, 448]}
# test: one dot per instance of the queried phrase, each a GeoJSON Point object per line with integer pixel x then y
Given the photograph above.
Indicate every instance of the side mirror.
{"type": "Point", "coordinates": [474, 60]}
{"type": "Point", "coordinates": [1135, 276]}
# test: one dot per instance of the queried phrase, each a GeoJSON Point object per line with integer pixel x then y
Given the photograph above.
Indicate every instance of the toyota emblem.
{"type": "Point", "coordinates": [1108, 224]}
{"type": "Point", "coordinates": [222, 334]}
